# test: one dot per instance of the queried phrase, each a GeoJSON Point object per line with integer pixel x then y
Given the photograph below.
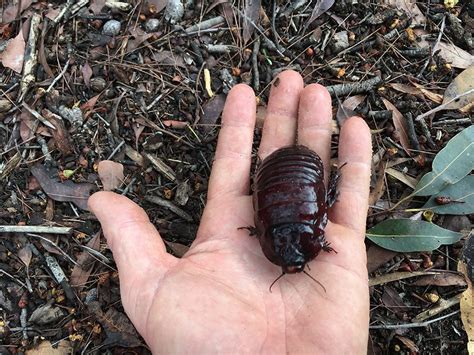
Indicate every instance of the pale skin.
{"type": "Point", "coordinates": [216, 298]}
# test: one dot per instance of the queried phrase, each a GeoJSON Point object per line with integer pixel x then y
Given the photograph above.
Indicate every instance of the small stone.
{"type": "Point", "coordinates": [111, 28]}
{"type": "Point", "coordinates": [152, 24]}
{"type": "Point", "coordinates": [340, 41]}
{"type": "Point", "coordinates": [98, 84]}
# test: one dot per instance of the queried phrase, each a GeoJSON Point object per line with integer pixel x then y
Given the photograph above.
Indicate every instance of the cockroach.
{"type": "Point", "coordinates": [291, 203]}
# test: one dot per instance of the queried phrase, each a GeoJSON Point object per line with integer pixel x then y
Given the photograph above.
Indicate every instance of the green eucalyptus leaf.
{"type": "Point", "coordinates": [406, 235]}
{"type": "Point", "coordinates": [461, 195]}
{"type": "Point", "coordinates": [450, 165]}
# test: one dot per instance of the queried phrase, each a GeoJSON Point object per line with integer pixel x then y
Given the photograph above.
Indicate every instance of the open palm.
{"type": "Point", "coordinates": [216, 298]}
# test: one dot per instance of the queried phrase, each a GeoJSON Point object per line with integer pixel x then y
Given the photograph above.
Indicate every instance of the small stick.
{"type": "Point", "coordinates": [204, 25]}
{"type": "Point", "coordinates": [412, 137]}
{"type": "Point", "coordinates": [442, 106]}
{"type": "Point", "coordinates": [31, 56]}
{"type": "Point", "coordinates": [172, 207]}
{"type": "Point", "coordinates": [426, 132]}
{"type": "Point", "coordinates": [60, 75]}
{"type": "Point", "coordinates": [122, 142]}
{"type": "Point", "coordinates": [13, 278]}
{"type": "Point", "coordinates": [353, 88]}
{"type": "Point", "coordinates": [413, 325]}
{"type": "Point", "coordinates": [256, 74]}
{"type": "Point", "coordinates": [59, 276]}
{"type": "Point", "coordinates": [161, 167]}
{"type": "Point", "coordinates": [44, 149]}
{"type": "Point", "coordinates": [35, 229]}
{"type": "Point", "coordinates": [457, 121]}
{"type": "Point", "coordinates": [38, 116]}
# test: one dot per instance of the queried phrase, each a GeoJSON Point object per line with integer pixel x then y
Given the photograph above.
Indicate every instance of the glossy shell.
{"type": "Point", "coordinates": [291, 207]}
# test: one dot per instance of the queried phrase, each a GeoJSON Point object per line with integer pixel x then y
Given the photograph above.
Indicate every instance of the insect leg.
{"type": "Point", "coordinates": [252, 230]}
{"type": "Point", "coordinates": [331, 196]}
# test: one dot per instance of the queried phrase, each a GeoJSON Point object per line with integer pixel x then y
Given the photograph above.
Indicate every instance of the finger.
{"type": "Point", "coordinates": [355, 150]}
{"type": "Point", "coordinates": [314, 121]}
{"type": "Point", "coordinates": [138, 248]}
{"type": "Point", "coordinates": [231, 168]}
{"type": "Point", "coordinates": [279, 128]}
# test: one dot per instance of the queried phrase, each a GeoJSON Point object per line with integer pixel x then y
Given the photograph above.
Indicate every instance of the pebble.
{"type": "Point", "coordinates": [111, 28]}
{"type": "Point", "coordinates": [152, 24]}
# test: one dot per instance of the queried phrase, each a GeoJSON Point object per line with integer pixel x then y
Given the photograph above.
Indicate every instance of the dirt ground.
{"type": "Point", "coordinates": [143, 85]}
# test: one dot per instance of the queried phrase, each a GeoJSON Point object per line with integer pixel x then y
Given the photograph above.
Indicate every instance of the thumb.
{"type": "Point", "coordinates": [138, 249]}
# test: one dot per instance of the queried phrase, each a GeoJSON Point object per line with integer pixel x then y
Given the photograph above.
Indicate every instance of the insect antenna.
{"type": "Point", "coordinates": [312, 278]}
{"type": "Point", "coordinates": [278, 278]}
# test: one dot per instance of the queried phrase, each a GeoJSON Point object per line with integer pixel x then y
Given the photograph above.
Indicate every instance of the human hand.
{"type": "Point", "coordinates": [216, 298]}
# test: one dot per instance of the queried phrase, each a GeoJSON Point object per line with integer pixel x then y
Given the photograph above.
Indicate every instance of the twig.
{"type": "Point", "coordinates": [171, 206]}
{"type": "Point", "coordinates": [256, 74]}
{"type": "Point", "coordinates": [44, 149]}
{"type": "Point", "coordinates": [117, 148]}
{"type": "Point", "coordinates": [54, 245]}
{"type": "Point", "coordinates": [457, 121]}
{"type": "Point", "coordinates": [35, 229]}
{"type": "Point", "coordinates": [412, 137]}
{"type": "Point", "coordinates": [13, 278]}
{"type": "Point", "coordinates": [204, 25]}
{"type": "Point", "coordinates": [31, 56]}
{"type": "Point", "coordinates": [59, 276]}
{"type": "Point", "coordinates": [442, 106]}
{"type": "Point", "coordinates": [161, 167]}
{"type": "Point", "coordinates": [38, 116]}
{"type": "Point", "coordinates": [354, 88]}
{"type": "Point", "coordinates": [426, 132]}
{"type": "Point", "coordinates": [60, 75]}
{"type": "Point", "coordinates": [413, 325]}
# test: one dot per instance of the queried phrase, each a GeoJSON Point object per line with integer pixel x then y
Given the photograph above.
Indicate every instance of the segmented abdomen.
{"type": "Point", "coordinates": [289, 188]}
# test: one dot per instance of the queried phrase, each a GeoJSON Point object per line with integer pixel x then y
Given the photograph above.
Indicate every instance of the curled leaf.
{"type": "Point", "coordinates": [463, 83]}
{"type": "Point", "coordinates": [111, 174]}
{"type": "Point", "coordinates": [62, 191]}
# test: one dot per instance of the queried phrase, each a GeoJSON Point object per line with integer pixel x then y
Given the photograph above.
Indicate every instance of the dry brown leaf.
{"type": "Point", "coordinates": [169, 58]}
{"type": "Point", "coordinates": [111, 174]}
{"type": "Point", "coordinates": [444, 279]}
{"type": "Point", "coordinates": [46, 348]}
{"type": "Point", "coordinates": [178, 249]}
{"type": "Point", "coordinates": [89, 104]}
{"type": "Point", "coordinates": [13, 55]}
{"type": "Point", "coordinates": [175, 124]}
{"type": "Point", "coordinates": [346, 109]}
{"type": "Point", "coordinates": [460, 85]}
{"type": "Point", "coordinates": [25, 255]}
{"type": "Point", "coordinates": [437, 98]}
{"type": "Point", "coordinates": [138, 36]}
{"type": "Point", "coordinates": [27, 125]}
{"type": "Point", "coordinates": [87, 74]}
{"type": "Point", "coordinates": [393, 301]}
{"type": "Point", "coordinates": [62, 191]}
{"type": "Point", "coordinates": [251, 12]}
{"type": "Point", "coordinates": [159, 4]}
{"type": "Point", "coordinates": [319, 8]}
{"type": "Point", "coordinates": [406, 89]}
{"type": "Point", "coordinates": [409, 344]}
{"type": "Point", "coordinates": [400, 125]}
{"type": "Point", "coordinates": [406, 179]}
{"type": "Point", "coordinates": [410, 8]}
{"type": "Point", "coordinates": [458, 57]}
{"type": "Point", "coordinates": [85, 263]}
{"type": "Point", "coordinates": [212, 110]}
{"type": "Point", "coordinates": [96, 6]}
{"type": "Point", "coordinates": [379, 187]}
{"type": "Point", "coordinates": [60, 134]}
{"type": "Point", "coordinates": [377, 256]}
{"type": "Point", "coordinates": [10, 13]}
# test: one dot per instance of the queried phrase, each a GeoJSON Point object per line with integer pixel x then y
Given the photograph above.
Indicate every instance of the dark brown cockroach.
{"type": "Point", "coordinates": [291, 204]}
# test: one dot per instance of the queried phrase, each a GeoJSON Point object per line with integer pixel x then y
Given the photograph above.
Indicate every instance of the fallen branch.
{"type": "Point", "coordinates": [354, 88]}
{"type": "Point", "coordinates": [31, 56]}
{"type": "Point", "coordinates": [35, 229]}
